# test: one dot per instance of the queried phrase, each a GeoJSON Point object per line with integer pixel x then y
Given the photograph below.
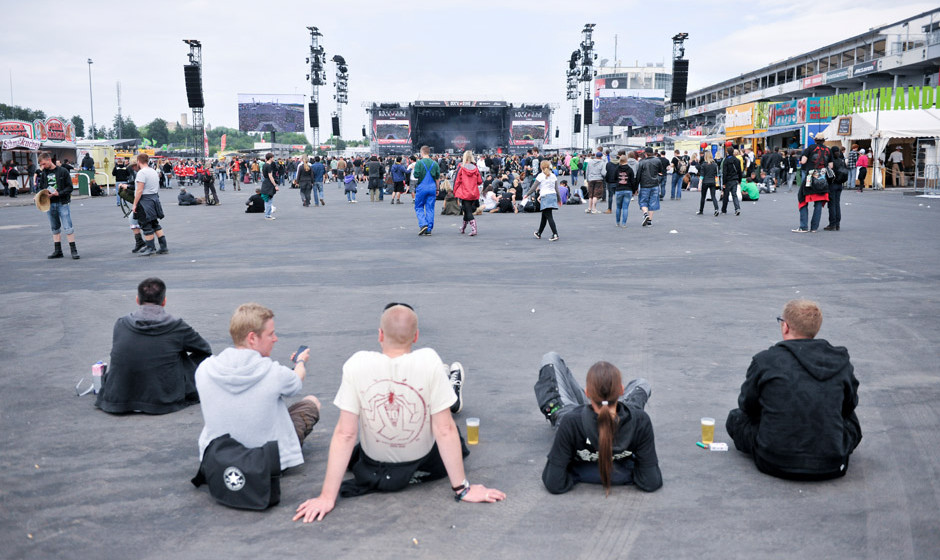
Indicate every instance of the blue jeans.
{"type": "Point", "coordinates": [268, 207]}
{"type": "Point", "coordinates": [60, 218]}
{"type": "Point", "coordinates": [221, 182]}
{"type": "Point", "coordinates": [817, 212]}
{"type": "Point", "coordinates": [676, 191]}
{"type": "Point", "coordinates": [662, 187]}
{"type": "Point", "coordinates": [425, 197]}
{"type": "Point", "coordinates": [350, 196]}
{"type": "Point", "coordinates": [317, 193]}
{"type": "Point", "coordinates": [648, 198]}
{"type": "Point", "coordinates": [574, 178]}
{"type": "Point", "coordinates": [623, 205]}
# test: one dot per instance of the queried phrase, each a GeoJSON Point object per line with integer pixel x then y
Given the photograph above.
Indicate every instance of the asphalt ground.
{"type": "Point", "coordinates": [685, 304]}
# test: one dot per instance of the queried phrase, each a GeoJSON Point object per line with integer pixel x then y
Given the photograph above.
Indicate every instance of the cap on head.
{"type": "Point", "coordinates": [820, 136]}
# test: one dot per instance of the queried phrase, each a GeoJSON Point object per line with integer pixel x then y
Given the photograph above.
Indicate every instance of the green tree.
{"type": "Point", "coordinates": [79, 125]}
{"type": "Point", "coordinates": [157, 131]}
{"type": "Point", "coordinates": [20, 113]}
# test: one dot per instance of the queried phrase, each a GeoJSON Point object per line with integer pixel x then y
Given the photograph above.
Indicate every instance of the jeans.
{"type": "Point", "coordinates": [221, 182]}
{"type": "Point", "coordinates": [731, 188]}
{"type": "Point", "coordinates": [817, 212]}
{"type": "Point", "coordinates": [835, 209]}
{"type": "Point", "coordinates": [317, 192]}
{"type": "Point", "coordinates": [853, 175]}
{"type": "Point", "coordinates": [425, 196]}
{"type": "Point", "coordinates": [60, 218]}
{"type": "Point", "coordinates": [662, 187]}
{"type": "Point", "coordinates": [676, 191]}
{"type": "Point", "coordinates": [791, 176]}
{"type": "Point", "coordinates": [623, 205]}
{"type": "Point", "coordinates": [610, 194]}
{"type": "Point", "coordinates": [350, 196]}
{"type": "Point", "coordinates": [556, 381]}
{"type": "Point", "coordinates": [574, 178]}
{"type": "Point", "coordinates": [268, 207]}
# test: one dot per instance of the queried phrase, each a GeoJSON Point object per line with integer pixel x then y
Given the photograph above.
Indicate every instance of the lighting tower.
{"type": "Point", "coordinates": [342, 88]}
{"type": "Point", "coordinates": [588, 56]}
{"type": "Point", "coordinates": [317, 77]}
{"type": "Point", "coordinates": [571, 90]}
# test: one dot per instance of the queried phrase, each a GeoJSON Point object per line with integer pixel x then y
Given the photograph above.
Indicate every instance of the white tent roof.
{"type": "Point", "coordinates": [923, 123]}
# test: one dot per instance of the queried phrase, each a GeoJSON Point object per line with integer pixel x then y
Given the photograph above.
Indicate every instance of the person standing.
{"type": "Point", "coordinates": [610, 177]}
{"type": "Point", "coordinates": [268, 185]}
{"type": "Point", "coordinates": [303, 178]}
{"type": "Point", "coordinates": [575, 166]}
{"type": "Point", "coordinates": [624, 189]}
{"type": "Point", "coordinates": [319, 174]}
{"type": "Point", "coordinates": [427, 174]}
{"type": "Point", "coordinates": [548, 198]}
{"type": "Point", "coordinates": [814, 161]}
{"type": "Point", "coordinates": [399, 176]}
{"type": "Point", "coordinates": [665, 178]}
{"type": "Point", "coordinates": [147, 209]}
{"type": "Point", "coordinates": [709, 172]}
{"type": "Point", "coordinates": [851, 161]}
{"type": "Point", "coordinates": [896, 159]}
{"type": "Point", "coordinates": [675, 190]}
{"type": "Point", "coordinates": [650, 174]}
{"type": "Point", "coordinates": [58, 182]}
{"type": "Point", "coordinates": [375, 171]}
{"type": "Point", "coordinates": [467, 190]}
{"type": "Point", "coordinates": [862, 167]}
{"type": "Point", "coordinates": [731, 175]}
{"type": "Point", "coordinates": [596, 169]}
{"type": "Point", "coordinates": [841, 171]}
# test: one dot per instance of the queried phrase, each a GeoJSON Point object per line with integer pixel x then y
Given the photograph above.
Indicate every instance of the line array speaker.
{"type": "Point", "coordinates": [588, 111]}
{"type": "Point", "coordinates": [193, 75]}
{"type": "Point", "coordinates": [313, 114]}
{"type": "Point", "coordinates": [336, 126]}
{"type": "Point", "coordinates": [680, 80]}
{"type": "Point", "coordinates": [577, 123]}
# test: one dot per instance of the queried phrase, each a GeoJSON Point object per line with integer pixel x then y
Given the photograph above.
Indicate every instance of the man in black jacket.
{"type": "Point", "coordinates": [731, 174]}
{"type": "Point", "coordinates": [796, 411]}
{"type": "Point", "coordinates": [58, 182]}
{"type": "Point", "coordinates": [153, 358]}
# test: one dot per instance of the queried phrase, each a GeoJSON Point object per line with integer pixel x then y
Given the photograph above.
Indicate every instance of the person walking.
{"type": "Point", "coordinates": [548, 198]}
{"type": "Point", "coordinates": [147, 208]}
{"type": "Point", "coordinates": [731, 174]}
{"type": "Point", "coordinates": [58, 182]}
{"type": "Point", "coordinates": [841, 175]}
{"type": "Point", "coordinates": [709, 173]}
{"type": "Point", "coordinates": [304, 180]}
{"type": "Point", "coordinates": [268, 185]}
{"type": "Point", "coordinates": [862, 166]}
{"type": "Point", "coordinates": [624, 189]}
{"type": "Point", "coordinates": [427, 175]}
{"type": "Point", "coordinates": [467, 190]}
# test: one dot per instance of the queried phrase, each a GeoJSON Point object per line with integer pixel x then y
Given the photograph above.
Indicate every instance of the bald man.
{"type": "Point", "coordinates": [400, 402]}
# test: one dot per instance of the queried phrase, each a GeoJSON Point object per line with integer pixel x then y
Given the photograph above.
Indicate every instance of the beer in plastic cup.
{"type": "Point", "coordinates": [708, 430]}
{"type": "Point", "coordinates": [473, 431]}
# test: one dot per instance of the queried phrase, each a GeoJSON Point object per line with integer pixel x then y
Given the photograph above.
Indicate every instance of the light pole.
{"type": "Point", "coordinates": [91, 100]}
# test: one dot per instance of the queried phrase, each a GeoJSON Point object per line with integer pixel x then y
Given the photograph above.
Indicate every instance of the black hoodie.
{"type": "Point", "coordinates": [803, 395]}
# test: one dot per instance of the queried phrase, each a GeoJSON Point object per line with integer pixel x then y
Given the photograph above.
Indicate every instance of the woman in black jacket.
{"type": "Point", "coordinates": [709, 173]}
{"type": "Point", "coordinates": [603, 434]}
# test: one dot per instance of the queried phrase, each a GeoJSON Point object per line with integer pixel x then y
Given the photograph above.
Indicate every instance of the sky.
{"type": "Point", "coordinates": [396, 51]}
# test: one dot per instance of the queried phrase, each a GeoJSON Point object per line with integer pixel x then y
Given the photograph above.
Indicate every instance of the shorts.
{"type": "Point", "coordinates": [399, 187]}
{"type": "Point", "coordinates": [649, 198]}
{"type": "Point", "coordinates": [596, 189]}
{"type": "Point", "coordinates": [304, 414]}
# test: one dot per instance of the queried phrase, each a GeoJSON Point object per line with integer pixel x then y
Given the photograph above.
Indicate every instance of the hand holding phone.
{"type": "Point", "coordinates": [297, 354]}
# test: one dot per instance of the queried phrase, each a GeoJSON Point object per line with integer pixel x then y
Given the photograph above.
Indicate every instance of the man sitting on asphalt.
{"type": "Point", "coordinates": [796, 413]}
{"type": "Point", "coordinates": [187, 199]}
{"type": "Point", "coordinates": [400, 401]}
{"type": "Point", "coordinates": [243, 389]}
{"type": "Point", "coordinates": [153, 358]}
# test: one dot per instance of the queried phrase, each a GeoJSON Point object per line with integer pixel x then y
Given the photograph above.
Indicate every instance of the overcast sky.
{"type": "Point", "coordinates": [506, 50]}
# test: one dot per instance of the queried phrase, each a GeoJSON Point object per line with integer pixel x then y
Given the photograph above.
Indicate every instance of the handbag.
{"type": "Point", "coordinates": [239, 477]}
{"type": "Point", "coordinates": [830, 174]}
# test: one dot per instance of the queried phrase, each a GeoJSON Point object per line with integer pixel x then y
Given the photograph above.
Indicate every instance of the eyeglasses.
{"type": "Point", "coordinates": [394, 303]}
{"type": "Point", "coordinates": [781, 320]}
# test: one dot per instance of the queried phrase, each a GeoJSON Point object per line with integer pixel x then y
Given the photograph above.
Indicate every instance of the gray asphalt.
{"type": "Point", "coordinates": [685, 304]}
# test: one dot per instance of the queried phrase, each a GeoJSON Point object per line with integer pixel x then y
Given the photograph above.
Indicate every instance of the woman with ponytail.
{"type": "Point", "coordinates": [603, 435]}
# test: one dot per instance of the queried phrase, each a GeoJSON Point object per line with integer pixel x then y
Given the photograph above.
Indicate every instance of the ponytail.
{"type": "Point", "coordinates": [603, 387]}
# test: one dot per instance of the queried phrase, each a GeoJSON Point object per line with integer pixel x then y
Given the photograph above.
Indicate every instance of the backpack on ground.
{"type": "Point", "coordinates": [239, 477]}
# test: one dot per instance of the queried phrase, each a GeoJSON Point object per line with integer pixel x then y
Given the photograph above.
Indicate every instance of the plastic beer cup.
{"type": "Point", "coordinates": [708, 430]}
{"type": "Point", "coordinates": [473, 431]}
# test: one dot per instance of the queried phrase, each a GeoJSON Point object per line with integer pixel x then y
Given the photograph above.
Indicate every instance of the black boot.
{"type": "Point", "coordinates": [148, 250]}
{"type": "Point", "coordinates": [57, 253]}
{"type": "Point", "coordinates": [139, 243]}
{"type": "Point", "coordinates": [74, 250]}
{"type": "Point", "coordinates": [162, 250]}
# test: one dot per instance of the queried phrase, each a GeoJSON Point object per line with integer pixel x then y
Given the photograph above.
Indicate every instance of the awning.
{"type": "Point", "coordinates": [773, 132]}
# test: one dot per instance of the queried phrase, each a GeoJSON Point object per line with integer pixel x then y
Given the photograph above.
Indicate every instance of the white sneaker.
{"type": "Point", "coordinates": [273, 209]}
{"type": "Point", "coordinates": [587, 210]}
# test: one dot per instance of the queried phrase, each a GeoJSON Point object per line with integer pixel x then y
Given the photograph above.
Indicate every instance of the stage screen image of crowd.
{"type": "Point", "coordinates": [630, 107]}
{"type": "Point", "coordinates": [392, 131]}
{"type": "Point", "coordinates": [457, 126]}
{"type": "Point", "coordinates": [270, 112]}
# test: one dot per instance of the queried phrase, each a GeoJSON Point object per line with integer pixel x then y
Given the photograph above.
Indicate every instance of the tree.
{"type": "Point", "coordinates": [157, 131]}
{"type": "Point", "coordinates": [21, 113]}
{"type": "Point", "coordinates": [79, 125]}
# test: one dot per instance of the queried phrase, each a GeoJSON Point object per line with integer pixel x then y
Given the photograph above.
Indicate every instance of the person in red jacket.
{"type": "Point", "coordinates": [467, 189]}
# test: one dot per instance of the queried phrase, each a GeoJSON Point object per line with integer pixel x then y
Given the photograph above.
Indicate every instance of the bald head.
{"type": "Point", "coordinates": [398, 326]}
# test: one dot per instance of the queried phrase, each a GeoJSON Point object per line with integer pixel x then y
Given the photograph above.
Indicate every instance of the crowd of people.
{"type": "Point", "coordinates": [396, 406]}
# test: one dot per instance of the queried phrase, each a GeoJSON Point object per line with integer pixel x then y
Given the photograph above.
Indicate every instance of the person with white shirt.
{"type": "Point", "coordinates": [548, 198]}
{"type": "Point", "coordinates": [146, 208]}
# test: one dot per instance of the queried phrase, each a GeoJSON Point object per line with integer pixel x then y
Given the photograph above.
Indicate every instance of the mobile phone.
{"type": "Point", "coordinates": [299, 351]}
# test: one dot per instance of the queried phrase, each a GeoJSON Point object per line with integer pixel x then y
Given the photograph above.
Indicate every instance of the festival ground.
{"type": "Point", "coordinates": [685, 304]}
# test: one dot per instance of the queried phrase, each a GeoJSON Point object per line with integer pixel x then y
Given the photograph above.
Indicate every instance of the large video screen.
{"type": "Point", "coordinates": [530, 125]}
{"type": "Point", "coordinates": [630, 107]}
{"type": "Point", "coordinates": [270, 112]}
{"type": "Point", "coordinates": [392, 131]}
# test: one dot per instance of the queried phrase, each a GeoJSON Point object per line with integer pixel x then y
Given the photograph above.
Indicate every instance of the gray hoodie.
{"type": "Point", "coordinates": [242, 394]}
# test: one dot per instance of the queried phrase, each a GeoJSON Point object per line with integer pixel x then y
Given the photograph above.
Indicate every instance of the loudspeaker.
{"type": "Point", "coordinates": [313, 114]}
{"type": "Point", "coordinates": [193, 76]}
{"type": "Point", "coordinates": [557, 133]}
{"type": "Point", "coordinates": [336, 126]}
{"type": "Point", "coordinates": [680, 80]}
{"type": "Point", "coordinates": [577, 123]}
{"type": "Point", "coordinates": [588, 111]}
{"type": "Point", "coordinates": [364, 131]}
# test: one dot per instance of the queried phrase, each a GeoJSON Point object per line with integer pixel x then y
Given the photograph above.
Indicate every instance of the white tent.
{"type": "Point", "coordinates": [883, 126]}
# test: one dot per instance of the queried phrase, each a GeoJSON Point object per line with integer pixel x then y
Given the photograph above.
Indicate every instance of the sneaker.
{"type": "Point", "coordinates": [457, 377]}
{"type": "Point", "coordinates": [536, 234]}
{"type": "Point", "coordinates": [270, 218]}
{"type": "Point", "coordinates": [737, 212]}
{"type": "Point", "coordinates": [799, 230]}
{"type": "Point", "coordinates": [553, 238]}
{"type": "Point", "coordinates": [698, 213]}
{"type": "Point", "coordinates": [830, 228]}
{"type": "Point", "coordinates": [646, 219]}
{"type": "Point", "coordinates": [716, 213]}
{"type": "Point", "coordinates": [423, 230]}
{"type": "Point", "coordinates": [587, 210]}
{"type": "Point", "coordinates": [637, 391]}
{"type": "Point", "coordinates": [813, 231]}
{"type": "Point", "coordinates": [595, 211]}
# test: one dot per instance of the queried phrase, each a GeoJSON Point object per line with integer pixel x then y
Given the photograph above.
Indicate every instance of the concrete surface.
{"type": "Point", "coordinates": [686, 310]}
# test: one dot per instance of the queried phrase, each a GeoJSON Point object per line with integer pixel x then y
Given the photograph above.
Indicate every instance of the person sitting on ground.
{"type": "Point", "coordinates": [796, 411]}
{"type": "Point", "coordinates": [153, 358]}
{"type": "Point", "coordinates": [451, 204]}
{"type": "Point", "coordinates": [243, 390]}
{"type": "Point", "coordinates": [255, 203]}
{"type": "Point", "coordinates": [563, 191]}
{"type": "Point", "coordinates": [603, 435]}
{"type": "Point", "coordinates": [187, 199]}
{"type": "Point", "coordinates": [749, 190]}
{"type": "Point", "coordinates": [489, 201]}
{"type": "Point", "coordinates": [767, 183]}
{"type": "Point", "coordinates": [422, 445]}
{"type": "Point", "coordinates": [505, 203]}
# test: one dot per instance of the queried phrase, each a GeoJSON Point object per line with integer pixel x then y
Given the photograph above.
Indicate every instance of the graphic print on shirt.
{"type": "Point", "coordinates": [394, 411]}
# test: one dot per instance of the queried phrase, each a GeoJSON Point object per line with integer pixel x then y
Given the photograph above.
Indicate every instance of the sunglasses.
{"type": "Point", "coordinates": [781, 320]}
{"type": "Point", "coordinates": [394, 303]}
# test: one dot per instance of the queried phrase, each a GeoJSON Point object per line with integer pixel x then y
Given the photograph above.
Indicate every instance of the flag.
{"type": "Point", "coordinates": [145, 143]}
{"type": "Point", "coordinates": [205, 142]}
{"type": "Point", "coordinates": [153, 142]}
{"type": "Point", "coordinates": [222, 149]}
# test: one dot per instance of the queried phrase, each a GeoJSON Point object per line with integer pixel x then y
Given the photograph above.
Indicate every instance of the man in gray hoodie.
{"type": "Point", "coordinates": [242, 390]}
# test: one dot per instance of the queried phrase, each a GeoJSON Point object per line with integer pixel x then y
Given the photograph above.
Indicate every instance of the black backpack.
{"type": "Point", "coordinates": [841, 170]}
{"type": "Point", "coordinates": [239, 477]}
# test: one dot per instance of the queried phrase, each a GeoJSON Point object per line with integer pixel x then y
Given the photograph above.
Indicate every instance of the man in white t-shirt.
{"type": "Point", "coordinates": [398, 402]}
{"type": "Point", "coordinates": [147, 209]}
{"type": "Point", "coordinates": [896, 159]}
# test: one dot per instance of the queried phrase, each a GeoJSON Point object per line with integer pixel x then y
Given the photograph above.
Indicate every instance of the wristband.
{"type": "Point", "coordinates": [461, 486]}
{"type": "Point", "coordinates": [459, 496]}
